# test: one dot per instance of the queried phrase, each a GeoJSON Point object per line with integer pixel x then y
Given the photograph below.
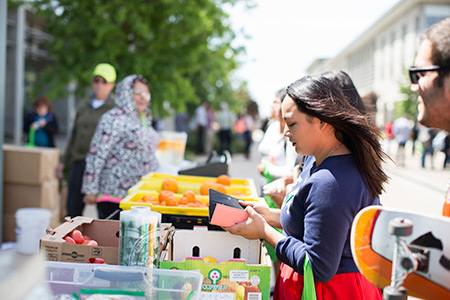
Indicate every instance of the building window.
{"type": "Point", "coordinates": [431, 20]}
{"type": "Point", "coordinates": [392, 56]}
{"type": "Point", "coordinates": [418, 25]}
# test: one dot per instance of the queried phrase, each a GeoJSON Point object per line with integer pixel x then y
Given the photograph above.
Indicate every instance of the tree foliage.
{"type": "Point", "coordinates": [182, 47]}
{"type": "Point", "coordinates": [408, 106]}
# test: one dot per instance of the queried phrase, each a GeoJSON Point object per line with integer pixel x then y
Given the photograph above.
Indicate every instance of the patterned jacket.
{"type": "Point", "coordinates": [122, 149]}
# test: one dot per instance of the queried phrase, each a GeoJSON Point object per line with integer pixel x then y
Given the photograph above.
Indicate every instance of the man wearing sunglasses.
{"type": "Point", "coordinates": [430, 78]}
{"type": "Point", "coordinates": [87, 116]}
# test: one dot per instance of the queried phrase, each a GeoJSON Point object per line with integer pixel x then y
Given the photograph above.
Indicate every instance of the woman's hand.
{"type": "Point", "coordinates": [260, 167]}
{"type": "Point", "coordinates": [277, 196]}
{"type": "Point", "coordinates": [90, 199]}
{"type": "Point", "coordinates": [271, 216]}
{"type": "Point", "coordinates": [253, 228]}
{"type": "Point", "coordinates": [59, 171]}
{"type": "Point", "coordinates": [256, 227]}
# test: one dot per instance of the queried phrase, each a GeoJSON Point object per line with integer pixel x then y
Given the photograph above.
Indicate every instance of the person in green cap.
{"type": "Point", "coordinates": [87, 116]}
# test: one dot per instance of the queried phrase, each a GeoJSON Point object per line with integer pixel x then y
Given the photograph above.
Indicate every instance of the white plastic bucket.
{"type": "Point", "coordinates": [31, 227]}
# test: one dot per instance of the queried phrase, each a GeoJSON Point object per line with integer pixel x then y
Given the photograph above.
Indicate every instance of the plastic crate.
{"type": "Point", "coordinates": [155, 185]}
{"type": "Point", "coordinates": [134, 198]}
{"type": "Point", "coordinates": [196, 179]}
{"type": "Point", "coordinates": [135, 282]}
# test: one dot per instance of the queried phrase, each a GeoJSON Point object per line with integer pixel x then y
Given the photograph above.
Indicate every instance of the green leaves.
{"type": "Point", "coordinates": [178, 45]}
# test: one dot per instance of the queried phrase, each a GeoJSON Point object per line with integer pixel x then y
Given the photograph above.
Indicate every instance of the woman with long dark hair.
{"type": "Point", "coordinates": [316, 218]}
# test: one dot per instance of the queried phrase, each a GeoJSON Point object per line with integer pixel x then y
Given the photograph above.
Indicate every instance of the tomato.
{"type": "Point", "coordinates": [90, 243]}
{"type": "Point", "coordinates": [96, 260]}
{"type": "Point", "coordinates": [77, 236]}
{"type": "Point", "coordinates": [69, 240]}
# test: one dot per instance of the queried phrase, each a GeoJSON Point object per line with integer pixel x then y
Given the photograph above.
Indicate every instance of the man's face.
{"type": "Point", "coordinates": [434, 101]}
{"type": "Point", "coordinates": [101, 88]}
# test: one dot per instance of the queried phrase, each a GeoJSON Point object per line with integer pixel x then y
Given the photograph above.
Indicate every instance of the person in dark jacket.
{"type": "Point", "coordinates": [41, 124]}
{"type": "Point", "coordinates": [88, 114]}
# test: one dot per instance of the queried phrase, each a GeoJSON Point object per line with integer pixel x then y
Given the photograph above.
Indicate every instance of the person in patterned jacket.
{"type": "Point", "coordinates": [122, 149]}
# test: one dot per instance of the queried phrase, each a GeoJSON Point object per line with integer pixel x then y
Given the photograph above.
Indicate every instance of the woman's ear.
{"type": "Point", "coordinates": [321, 124]}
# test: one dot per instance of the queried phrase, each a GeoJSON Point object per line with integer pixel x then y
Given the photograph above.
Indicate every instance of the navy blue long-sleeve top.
{"type": "Point", "coordinates": [317, 219]}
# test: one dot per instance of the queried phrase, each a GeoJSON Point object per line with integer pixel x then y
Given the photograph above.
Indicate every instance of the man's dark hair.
{"type": "Point", "coordinates": [439, 36]}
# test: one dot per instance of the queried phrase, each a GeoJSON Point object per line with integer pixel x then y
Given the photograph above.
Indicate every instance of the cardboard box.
{"type": "Point", "coordinates": [17, 196]}
{"type": "Point", "coordinates": [9, 225]}
{"type": "Point", "coordinates": [105, 232]}
{"type": "Point", "coordinates": [243, 271]}
{"type": "Point", "coordinates": [29, 165]}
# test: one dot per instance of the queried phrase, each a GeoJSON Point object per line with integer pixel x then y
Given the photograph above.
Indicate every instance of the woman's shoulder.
{"type": "Point", "coordinates": [335, 169]}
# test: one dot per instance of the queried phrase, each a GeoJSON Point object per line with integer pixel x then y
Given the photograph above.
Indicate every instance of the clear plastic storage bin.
{"type": "Point", "coordinates": [121, 282]}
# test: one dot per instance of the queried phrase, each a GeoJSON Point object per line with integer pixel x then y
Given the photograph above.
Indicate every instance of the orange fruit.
{"type": "Point", "coordinates": [148, 198]}
{"type": "Point", "coordinates": [224, 179]}
{"type": "Point", "coordinates": [183, 201]}
{"type": "Point", "coordinates": [190, 195]}
{"type": "Point", "coordinates": [163, 195]}
{"type": "Point", "coordinates": [170, 184]}
{"type": "Point", "coordinates": [220, 188]}
{"type": "Point", "coordinates": [171, 201]}
{"type": "Point", "coordinates": [204, 188]}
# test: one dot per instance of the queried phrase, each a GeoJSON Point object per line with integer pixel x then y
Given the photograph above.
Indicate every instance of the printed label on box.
{"type": "Point", "coordinates": [255, 280]}
{"type": "Point", "coordinates": [238, 275]}
{"type": "Point", "coordinates": [254, 296]}
{"type": "Point", "coordinates": [216, 296]}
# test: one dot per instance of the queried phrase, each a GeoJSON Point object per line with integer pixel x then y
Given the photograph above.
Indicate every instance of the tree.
{"type": "Point", "coordinates": [182, 47]}
{"type": "Point", "coordinates": [409, 105]}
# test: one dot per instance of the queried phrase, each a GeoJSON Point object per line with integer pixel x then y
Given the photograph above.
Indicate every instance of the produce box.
{"type": "Point", "coordinates": [105, 232]}
{"type": "Point", "coordinates": [27, 165]}
{"type": "Point", "coordinates": [17, 196]}
{"type": "Point", "coordinates": [243, 271]}
{"type": "Point", "coordinates": [128, 282]}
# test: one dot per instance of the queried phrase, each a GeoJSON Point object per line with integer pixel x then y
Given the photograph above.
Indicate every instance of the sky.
{"type": "Point", "coordinates": [284, 37]}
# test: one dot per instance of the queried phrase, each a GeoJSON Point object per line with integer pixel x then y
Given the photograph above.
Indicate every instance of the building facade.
{"type": "Point", "coordinates": [378, 59]}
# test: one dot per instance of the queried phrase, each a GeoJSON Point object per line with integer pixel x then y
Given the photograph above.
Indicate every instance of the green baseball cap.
{"type": "Point", "coordinates": [106, 71]}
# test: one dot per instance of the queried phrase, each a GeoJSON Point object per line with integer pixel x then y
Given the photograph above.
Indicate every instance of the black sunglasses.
{"type": "Point", "coordinates": [99, 80]}
{"type": "Point", "coordinates": [416, 73]}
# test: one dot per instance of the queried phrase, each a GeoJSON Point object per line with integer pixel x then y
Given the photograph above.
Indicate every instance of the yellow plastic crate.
{"type": "Point", "coordinates": [246, 186]}
{"type": "Point", "coordinates": [194, 179]}
{"type": "Point", "coordinates": [132, 199]}
{"type": "Point", "coordinates": [155, 185]}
